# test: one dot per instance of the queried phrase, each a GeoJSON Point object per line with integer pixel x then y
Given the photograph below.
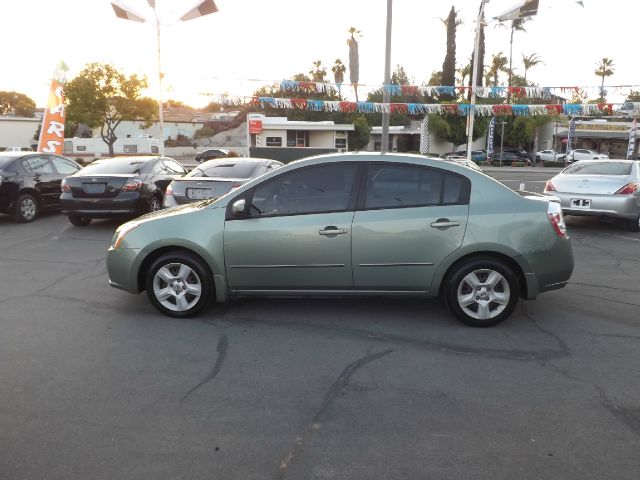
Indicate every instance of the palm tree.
{"type": "Point", "coordinates": [449, 63]}
{"type": "Point", "coordinates": [318, 72]}
{"type": "Point", "coordinates": [354, 59]}
{"type": "Point", "coordinates": [498, 64]}
{"type": "Point", "coordinates": [605, 69]}
{"type": "Point", "coordinates": [530, 61]}
{"type": "Point", "coordinates": [338, 70]}
{"type": "Point", "coordinates": [465, 72]}
{"type": "Point", "coordinates": [517, 25]}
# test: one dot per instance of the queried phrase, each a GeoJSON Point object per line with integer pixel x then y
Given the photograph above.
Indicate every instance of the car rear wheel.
{"type": "Point", "coordinates": [633, 225]}
{"type": "Point", "coordinates": [179, 284]}
{"type": "Point", "coordinates": [25, 208]}
{"type": "Point", "coordinates": [79, 221]}
{"type": "Point", "coordinates": [482, 292]}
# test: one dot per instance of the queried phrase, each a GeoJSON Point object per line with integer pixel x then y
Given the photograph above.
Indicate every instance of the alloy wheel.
{"type": "Point", "coordinates": [28, 208]}
{"type": "Point", "coordinates": [483, 294]}
{"type": "Point", "coordinates": [177, 287]}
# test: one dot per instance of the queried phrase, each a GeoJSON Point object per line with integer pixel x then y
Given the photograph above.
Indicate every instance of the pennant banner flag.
{"type": "Point", "coordinates": [52, 130]}
{"type": "Point", "coordinates": [632, 139]}
{"type": "Point", "coordinates": [424, 135]}
{"type": "Point", "coordinates": [490, 137]}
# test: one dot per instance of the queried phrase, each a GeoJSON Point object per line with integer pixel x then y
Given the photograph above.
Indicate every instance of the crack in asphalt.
{"type": "Point", "coordinates": [341, 382]}
{"type": "Point", "coordinates": [607, 299]}
{"type": "Point", "coordinates": [222, 348]}
{"type": "Point", "coordinates": [630, 416]}
{"type": "Point", "coordinates": [423, 344]}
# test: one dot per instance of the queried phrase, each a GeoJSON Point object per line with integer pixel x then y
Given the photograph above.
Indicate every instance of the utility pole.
{"type": "Point", "coordinates": [474, 80]}
{"type": "Point", "coordinates": [384, 148]}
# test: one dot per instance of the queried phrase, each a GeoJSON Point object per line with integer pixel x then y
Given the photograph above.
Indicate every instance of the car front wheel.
{"type": "Point", "coordinates": [482, 292]}
{"type": "Point", "coordinates": [179, 284]}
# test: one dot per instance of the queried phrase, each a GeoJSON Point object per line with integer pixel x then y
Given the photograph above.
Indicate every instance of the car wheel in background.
{"type": "Point", "coordinates": [155, 204]}
{"type": "Point", "coordinates": [633, 225]}
{"type": "Point", "coordinates": [25, 209]}
{"type": "Point", "coordinates": [79, 221]}
{"type": "Point", "coordinates": [482, 291]}
{"type": "Point", "coordinates": [179, 284]}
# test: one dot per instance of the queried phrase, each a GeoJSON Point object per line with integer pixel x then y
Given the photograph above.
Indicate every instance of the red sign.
{"type": "Point", "coordinates": [255, 126]}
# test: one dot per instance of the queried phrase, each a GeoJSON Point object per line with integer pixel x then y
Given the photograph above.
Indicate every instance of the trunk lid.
{"type": "Point", "coordinates": [590, 184]}
{"type": "Point", "coordinates": [202, 188]}
{"type": "Point", "coordinates": [97, 186]}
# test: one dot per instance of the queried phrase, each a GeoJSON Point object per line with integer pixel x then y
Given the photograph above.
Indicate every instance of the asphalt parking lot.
{"type": "Point", "coordinates": [95, 384]}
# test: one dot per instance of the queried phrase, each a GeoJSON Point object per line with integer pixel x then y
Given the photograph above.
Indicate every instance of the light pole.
{"type": "Point", "coordinates": [198, 9]}
{"type": "Point", "coordinates": [474, 80]}
{"type": "Point", "coordinates": [384, 147]}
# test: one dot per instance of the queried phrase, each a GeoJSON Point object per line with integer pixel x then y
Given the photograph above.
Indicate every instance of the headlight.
{"type": "Point", "coordinates": [122, 232]}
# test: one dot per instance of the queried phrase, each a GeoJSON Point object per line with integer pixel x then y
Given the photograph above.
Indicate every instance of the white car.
{"type": "Point", "coordinates": [584, 154]}
{"type": "Point", "coordinates": [549, 156]}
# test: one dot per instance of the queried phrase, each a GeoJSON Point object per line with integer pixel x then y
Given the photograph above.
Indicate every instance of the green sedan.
{"type": "Point", "coordinates": [351, 224]}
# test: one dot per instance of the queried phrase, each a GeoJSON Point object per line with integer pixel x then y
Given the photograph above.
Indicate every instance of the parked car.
{"type": "Point", "coordinates": [584, 154]}
{"type": "Point", "coordinates": [508, 157]}
{"type": "Point", "coordinates": [549, 156]}
{"type": "Point", "coordinates": [351, 224]}
{"type": "Point", "coordinates": [212, 153]}
{"type": "Point", "coordinates": [518, 151]}
{"type": "Point", "coordinates": [118, 187]}
{"type": "Point", "coordinates": [476, 155]}
{"type": "Point", "coordinates": [30, 182]}
{"type": "Point", "coordinates": [609, 188]}
{"type": "Point", "coordinates": [215, 178]}
{"type": "Point", "coordinates": [18, 149]}
{"type": "Point", "coordinates": [463, 161]}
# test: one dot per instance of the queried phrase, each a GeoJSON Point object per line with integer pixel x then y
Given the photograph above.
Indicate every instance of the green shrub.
{"type": "Point", "coordinates": [551, 164]}
{"type": "Point", "coordinates": [518, 164]}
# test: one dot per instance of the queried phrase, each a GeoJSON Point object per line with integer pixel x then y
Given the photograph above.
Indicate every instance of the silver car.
{"type": "Point", "coordinates": [215, 178]}
{"type": "Point", "coordinates": [604, 188]}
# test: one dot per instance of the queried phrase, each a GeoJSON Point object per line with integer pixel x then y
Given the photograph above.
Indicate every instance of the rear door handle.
{"type": "Point", "coordinates": [331, 231]}
{"type": "Point", "coordinates": [444, 223]}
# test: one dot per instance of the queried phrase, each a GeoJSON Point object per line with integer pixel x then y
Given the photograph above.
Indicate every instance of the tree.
{"type": "Point", "coordinates": [435, 79]}
{"type": "Point", "coordinates": [465, 72]}
{"type": "Point", "coordinates": [354, 59]}
{"type": "Point", "coordinates": [604, 69]}
{"type": "Point", "coordinates": [517, 25]}
{"type": "Point", "coordinates": [102, 96]}
{"type": "Point", "coordinates": [498, 64]}
{"type": "Point", "coordinates": [17, 103]}
{"type": "Point", "coordinates": [452, 127]}
{"type": "Point", "coordinates": [400, 77]}
{"type": "Point", "coordinates": [318, 72]}
{"type": "Point", "coordinates": [449, 63]}
{"type": "Point", "coordinates": [530, 61]}
{"type": "Point", "coordinates": [338, 70]}
{"type": "Point", "coordinates": [359, 138]}
{"type": "Point", "coordinates": [634, 96]}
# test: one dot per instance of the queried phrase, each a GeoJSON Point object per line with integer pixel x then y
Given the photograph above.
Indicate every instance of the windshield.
{"type": "Point", "coordinates": [114, 165]}
{"type": "Point", "coordinates": [604, 168]}
{"type": "Point", "coordinates": [225, 170]}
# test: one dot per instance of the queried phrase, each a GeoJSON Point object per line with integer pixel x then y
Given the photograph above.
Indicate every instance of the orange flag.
{"type": "Point", "coordinates": [52, 131]}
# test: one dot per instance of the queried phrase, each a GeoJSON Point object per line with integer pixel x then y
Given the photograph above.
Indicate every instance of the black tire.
{"type": "Point", "coordinates": [25, 209]}
{"type": "Point", "coordinates": [155, 203]}
{"type": "Point", "coordinates": [79, 221]}
{"type": "Point", "coordinates": [633, 225]}
{"type": "Point", "coordinates": [495, 301]}
{"type": "Point", "coordinates": [181, 300]}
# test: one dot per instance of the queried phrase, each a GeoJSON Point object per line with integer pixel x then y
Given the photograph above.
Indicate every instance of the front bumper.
{"type": "Point", "coordinates": [122, 266]}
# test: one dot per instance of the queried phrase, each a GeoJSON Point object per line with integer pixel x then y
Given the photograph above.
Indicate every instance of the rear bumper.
{"type": "Point", "coordinates": [102, 207]}
{"type": "Point", "coordinates": [619, 206]}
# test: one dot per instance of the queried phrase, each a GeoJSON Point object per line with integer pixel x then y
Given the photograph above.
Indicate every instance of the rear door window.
{"type": "Point", "coordinates": [38, 165]}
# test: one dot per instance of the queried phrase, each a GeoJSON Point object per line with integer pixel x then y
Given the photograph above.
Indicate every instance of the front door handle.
{"type": "Point", "coordinates": [445, 223]}
{"type": "Point", "coordinates": [332, 231]}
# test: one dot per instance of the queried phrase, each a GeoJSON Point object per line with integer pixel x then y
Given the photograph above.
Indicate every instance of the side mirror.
{"type": "Point", "coordinates": [238, 208]}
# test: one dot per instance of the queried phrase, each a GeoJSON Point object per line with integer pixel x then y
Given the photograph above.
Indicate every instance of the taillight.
{"type": "Point", "coordinates": [65, 186]}
{"type": "Point", "coordinates": [628, 189]}
{"type": "Point", "coordinates": [548, 187]}
{"type": "Point", "coordinates": [132, 185]}
{"type": "Point", "coordinates": [169, 190]}
{"type": "Point", "coordinates": [554, 212]}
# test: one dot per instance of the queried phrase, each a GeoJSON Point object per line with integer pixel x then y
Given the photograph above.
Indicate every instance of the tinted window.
{"type": "Point", "coordinates": [37, 165]}
{"type": "Point", "coordinates": [604, 168]}
{"type": "Point", "coordinates": [225, 169]}
{"type": "Point", "coordinates": [325, 188]}
{"type": "Point", "coordinates": [157, 168]}
{"type": "Point", "coordinates": [391, 186]}
{"type": "Point", "coordinates": [64, 167]}
{"type": "Point", "coordinates": [131, 165]}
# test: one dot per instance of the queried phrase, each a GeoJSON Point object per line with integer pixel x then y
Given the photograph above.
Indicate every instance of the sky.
{"type": "Point", "coordinates": [250, 43]}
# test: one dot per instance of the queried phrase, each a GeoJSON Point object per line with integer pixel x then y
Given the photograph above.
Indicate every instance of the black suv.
{"type": "Point", "coordinates": [30, 182]}
{"type": "Point", "coordinates": [212, 153]}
